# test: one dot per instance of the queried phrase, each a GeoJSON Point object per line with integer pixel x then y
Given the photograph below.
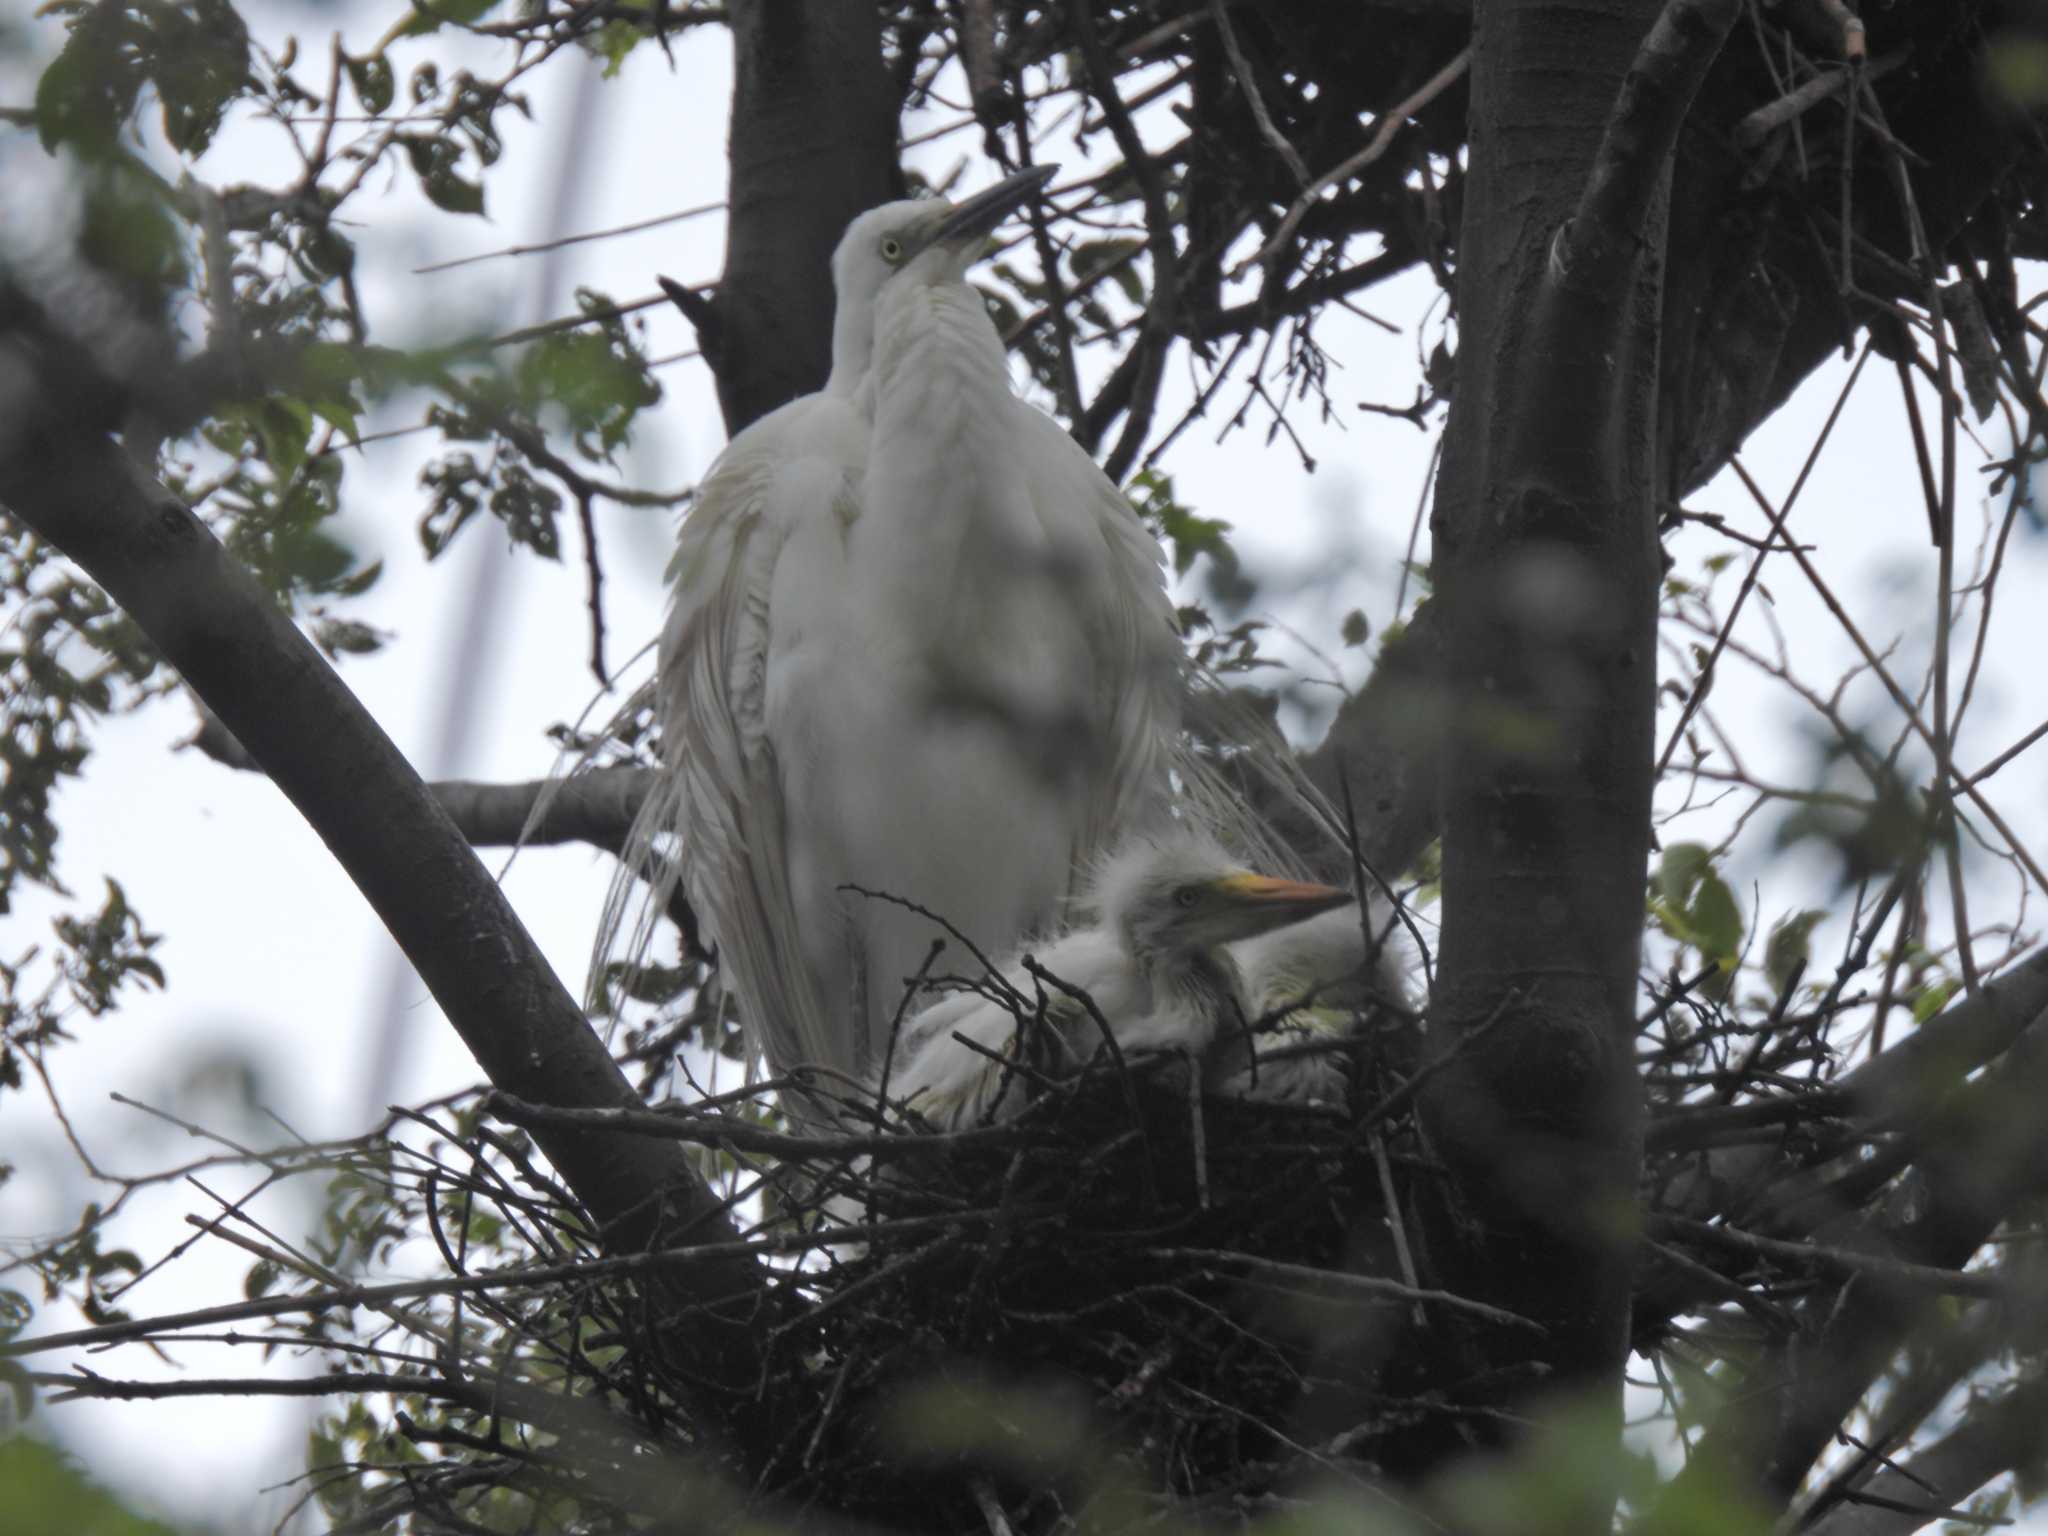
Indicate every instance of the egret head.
{"type": "Point", "coordinates": [922, 240]}
{"type": "Point", "coordinates": [1183, 894]}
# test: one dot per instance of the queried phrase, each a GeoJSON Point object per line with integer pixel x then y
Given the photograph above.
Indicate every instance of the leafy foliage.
{"type": "Point", "coordinates": [195, 53]}
{"type": "Point", "coordinates": [46, 1491]}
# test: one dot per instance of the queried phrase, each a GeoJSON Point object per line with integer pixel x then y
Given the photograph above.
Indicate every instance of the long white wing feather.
{"type": "Point", "coordinates": [991, 692]}
{"type": "Point", "coordinates": [1138, 652]}
{"type": "Point", "coordinates": [721, 792]}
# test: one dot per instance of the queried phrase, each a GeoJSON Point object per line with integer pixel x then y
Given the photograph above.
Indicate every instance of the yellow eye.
{"type": "Point", "coordinates": [892, 248]}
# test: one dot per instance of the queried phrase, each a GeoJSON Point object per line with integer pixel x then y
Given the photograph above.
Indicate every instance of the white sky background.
{"type": "Point", "coordinates": [271, 955]}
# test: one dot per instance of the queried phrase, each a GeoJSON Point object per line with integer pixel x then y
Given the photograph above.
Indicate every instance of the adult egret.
{"type": "Point", "coordinates": [1306, 985]}
{"type": "Point", "coordinates": [919, 644]}
{"type": "Point", "coordinates": [1153, 963]}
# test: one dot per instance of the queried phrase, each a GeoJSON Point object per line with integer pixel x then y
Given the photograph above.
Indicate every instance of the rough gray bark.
{"type": "Point", "coordinates": [813, 143]}
{"type": "Point", "coordinates": [1547, 570]}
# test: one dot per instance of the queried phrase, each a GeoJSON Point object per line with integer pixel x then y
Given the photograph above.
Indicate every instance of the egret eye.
{"type": "Point", "coordinates": [892, 248]}
{"type": "Point", "coordinates": [1187, 896]}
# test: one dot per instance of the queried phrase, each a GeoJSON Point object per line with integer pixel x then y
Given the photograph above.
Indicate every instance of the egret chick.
{"type": "Point", "coordinates": [1308, 984]}
{"type": "Point", "coordinates": [1153, 962]}
{"type": "Point", "coordinates": [919, 644]}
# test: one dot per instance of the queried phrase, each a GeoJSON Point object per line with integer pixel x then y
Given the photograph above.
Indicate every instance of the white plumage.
{"type": "Point", "coordinates": [919, 643]}
{"type": "Point", "coordinates": [1153, 962]}
{"type": "Point", "coordinates": [1308, 985]}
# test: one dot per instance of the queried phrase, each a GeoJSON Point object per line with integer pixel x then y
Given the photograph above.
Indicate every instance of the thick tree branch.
{"type": "Point", "coordinates": [1605, 237]}
{"type": "Point", "coordinates": [1383, 746]}
{"type": "Point", "coordinates": [1994, 1437]}
{"type": "Point", "coordinates": [596, 807]}
{"type": "Point", "coordinates": [1897, 1090]}
{"type": "Point", "coordinates": [1911, 1077]}
{"type": "Point", "coordinates": [81, 493]}
{"type": "Point", "coordinates": [1976, 1159]}
{"type": "Point", "coordinates": [813, 143]}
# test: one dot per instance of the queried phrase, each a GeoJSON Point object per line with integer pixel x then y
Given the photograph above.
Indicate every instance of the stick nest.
{"type": "Point", "coordinates": [1135, 1286]}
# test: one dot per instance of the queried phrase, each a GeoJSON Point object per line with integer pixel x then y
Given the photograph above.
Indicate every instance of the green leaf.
{"type": "Point", "coordinates": [82, 99]}
{"type": "Point", "coordinates": [434, 159]}
{"type": "Point", "coordinates": [131, 232]}
{"type": "Point", "coordinates": [361, 582]}
{"type": "Point", "coordinates": [1093, 258]}
{"type": "Point", "coordinates": [1932, 1000]}
{"type": "Point", "coordinates": [339, 637]}
{"type": "Point", "coordinates": [117, 1261]}
{"type": "Point", "coordinates": [432, 15]}
{"type": "Point", "coordinates": [312, 558]}
{"type": "Point", "coordinates": [372, 78]}
{"type": "Point", "coordinates": [195, 52]}
{"type": "Point", "coordinates": [1789, 947]}
{"type": "Point", "coordinates": [1716, 920]}
{"type": "Point", "coordinates": [2017, 63]}
{"type": "Point", "coordinates": [596, 377]}
{"type": "Point", "coordinates": [45, 1491]}
{"type": "Point", "coordinates": [1680, 869]}
{"type": "Point", "coordinates": [15, 1312]}
{"type": "Point", "coordinates": [285, 427]}
{"type": "Point", "coordinates": [200, 63]}
{"type": "Point", "coordinates": [1151, 492]}
{"type": "Point", "coordinates": [615, 40]}
{"type": "Point", "coordinates": [1693, 904]}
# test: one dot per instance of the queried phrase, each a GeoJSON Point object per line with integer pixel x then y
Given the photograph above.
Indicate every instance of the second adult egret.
{"type": "Point", "coordinates": [919, 644]}
{"type": "Point", "coordinates": [1153, 964]}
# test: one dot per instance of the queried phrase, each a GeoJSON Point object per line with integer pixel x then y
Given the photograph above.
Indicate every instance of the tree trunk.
{"type": "Point", "coordinates": [813, 144]}
{"type": "Point", "coordinates": [1547, 565]}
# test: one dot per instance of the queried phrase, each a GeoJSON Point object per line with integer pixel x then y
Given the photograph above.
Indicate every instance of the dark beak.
{"type": "Point", "coordinates": [974, 218]}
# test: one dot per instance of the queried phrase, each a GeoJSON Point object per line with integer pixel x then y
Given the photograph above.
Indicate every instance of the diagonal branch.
{"type": "Point", "coordinates": [1600, 244]}
{"type": "Point", "coordinates": [1993, 1438]}
{"type": "Point", "coordinates": [596, 807]}
{"type": "Point", "coordinates": [80, 492]}
{"type": "Point", "coordinates": [1977, 1158]}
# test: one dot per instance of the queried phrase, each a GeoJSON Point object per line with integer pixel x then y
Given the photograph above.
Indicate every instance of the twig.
{"type": "Point", "coordinates": [1164, 302]}
{"type": "Point", "coordinates": [725, 1131]}
{"type": "Point", "coordinates": [1241, 67]}
{"type": "Point", "coordinates": [1802, 99]}
{"type": "Point", "coordinates": [1837, 1261]}
{"type": "Point", "coordinates": [533, 1277]}
{"type": "Point", "coordinates": [566, 240]}
{"type": "Point", "coordinates": [1390, 123]}
{"type": "Point", "coordinates": [1396, 1101]}
{"type": "Point", "coordinates": [1360, 1285]}
{"type": "Point", "coordinates": [1116, 1056]}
